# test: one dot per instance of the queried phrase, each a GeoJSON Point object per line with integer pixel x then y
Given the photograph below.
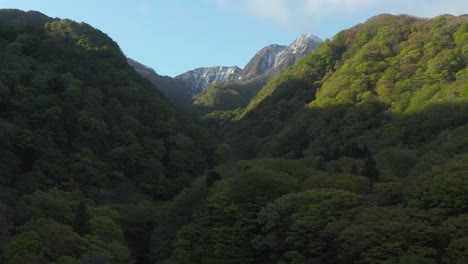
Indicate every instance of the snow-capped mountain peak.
{"type": "Point", "coordinates": [267, 62]}
{"type": "Point", "coordinates": [303, 43]}
{"type": "Point", "coordinates": [201, 78]}
{"type": "Point", "coordinates": [275, 58]}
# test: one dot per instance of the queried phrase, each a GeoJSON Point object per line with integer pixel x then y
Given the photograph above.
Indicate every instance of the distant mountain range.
{"type": "Point", "coordinates": [201, 78]}
{"type": "Point", "coordinates": [267, 62]}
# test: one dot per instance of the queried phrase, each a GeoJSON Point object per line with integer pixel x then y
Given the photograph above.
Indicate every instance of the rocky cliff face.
{"type": "Point", "coordinates": [265, 60]}
{"type": "Point", "coordinates": [275, 58]}
{"type": "Point", "coordinates": [266, 63]}
{"type": "Point", "coordinates": [201, 78]}
{"type": "Point", "coordinates": [184, 87]}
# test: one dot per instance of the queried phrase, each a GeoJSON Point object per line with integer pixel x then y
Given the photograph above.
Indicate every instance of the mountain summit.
{"type": "Point", "coordinates": [265, 60]}
{"type": "Point", "coordinates": [266, 63]}
{"type": "Point", "coordinates": [305, 43]}
{"type": "Point", "coordinates": [275, 58]}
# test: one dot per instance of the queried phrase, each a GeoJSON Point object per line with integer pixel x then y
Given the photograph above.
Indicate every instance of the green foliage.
{"type": "Point", "coordinates": [380, 111]}
{"type": "Point", "coordinates": [106, 228]}
{"type": "Point", "coordinates": [457, 252]}
{"type": "Point", "coordinates": [78, 124]}
{"type": "Point", "coordinates": [174, 214]}
{"type": "Point", "coordinates": [67, 260]}
{"type": "Point", "coordinates": [395, 162]}
{"type": "Point", "coordinates": [86, 108]}
{"type": "Point", "coordinates": [45, 239]}
{"type": "Point", "coordinates": [356, 154]}
{"type": "Point", "coordinates": [442, 187]}
{"type": "Point", "coordinates": [222, 153]}
{"type": "Point", "coordinates": [370, 170]}
{"type": "Point", "coordinates": [81, 224]}
{"type": "Point", "coordinates": [48, 205]}
{"type": "Point", "coordinates": [453, 230]}
{"type": "Point", "coordinates": [300, 224]}
{"type": "Point", "coordinates": [227, 96]}
{"type": "Point", "coordinates": [25, 243]}
{"type": "Point", "coordinates": [253, 187]}
{"type": "Point", "coordinates": [408, 233]}
{"type": "Point", "coordinates": [232, 206]}
{"type": "Point", "coordinates": [348, 182]}
{"type": "Point", "coordinates": [104, 251]}
{"type": "Point", "coordinates": [393, 79]}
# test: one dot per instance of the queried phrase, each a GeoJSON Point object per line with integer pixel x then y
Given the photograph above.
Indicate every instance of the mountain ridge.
{"type": "Point", "coordinates": [202, 77]}
{"type": "Point", "coordinates": [266, 63]}
{"type": "Point", "coordinates": [176, 90]}
{"type": "Point", "coordinates": [263, 61]}
{"type": "Point", "coordinates": [366, 64]}
{"type": "Point", "coordinates": [275, 58]}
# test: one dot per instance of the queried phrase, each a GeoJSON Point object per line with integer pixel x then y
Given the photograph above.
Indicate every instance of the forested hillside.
{"type": "Point", "coordinates": [86, 145]}
{"type": "Point", "coordinates": [395, 80]}
{"type": "Point", "coordinates": [221, 98]}
{"type": "Point", "coordinates": [177, 91]}
{"type": "Point", "coordinates": [223, 101]}
{"type": "Point", "coordinates": [356, 154]}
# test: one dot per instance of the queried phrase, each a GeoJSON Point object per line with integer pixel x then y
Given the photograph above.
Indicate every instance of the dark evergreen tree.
{"type": "Point", "coordinates": [81, 224]}
{"type": "Point", "coordinates": [370, 170]}
{"type": "Point", "coordinates": [211, 178]}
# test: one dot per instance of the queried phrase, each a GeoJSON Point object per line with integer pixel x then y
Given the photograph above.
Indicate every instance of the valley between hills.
{"type": "Point", "coordinates": [353, 149]}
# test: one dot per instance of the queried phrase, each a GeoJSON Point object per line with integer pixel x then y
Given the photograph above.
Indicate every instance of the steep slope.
{"type": "Point", "coordinates": [358, 154]}
{"type": "Point", "coordinates": [176, 90]}
{"type": "Point", "coordinates": [80, 95]}
{"type": "Point", "coordinates": [86, 146]}
{"type": "Point", "coordinates": [228, 96]}
{"type": "Point", "coordinates": [273, 59]}
{"type": "Point", "coordinates": [201, 78]}
{"type": "Point", "coordinates": [302, 46]}
{"type": "Point", "coordinates": [401, 65]}
{"type": "Point", "coordinates": [269, 61]}
{"type": "Point", "coordinates": [264, 61]}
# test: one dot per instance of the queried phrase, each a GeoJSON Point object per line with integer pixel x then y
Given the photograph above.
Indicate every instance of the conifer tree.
{"type": "Point", "coordinates": [81, 224]}
{"type": "Point", "coordinates": [370, 170]}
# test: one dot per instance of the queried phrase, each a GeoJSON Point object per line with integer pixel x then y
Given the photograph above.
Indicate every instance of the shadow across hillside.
{"type": "Point", "coordinates": [278, 130]}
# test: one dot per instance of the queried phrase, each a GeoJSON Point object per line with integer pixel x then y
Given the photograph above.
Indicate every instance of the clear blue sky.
{"type": "Point", "coordinates": [173, 36]}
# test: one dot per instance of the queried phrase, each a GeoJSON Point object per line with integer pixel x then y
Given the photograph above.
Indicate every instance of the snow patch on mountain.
{"type": "Point", "coordinates": [203, 77]}
{"type": "Point", "coordinates": [275, 58]}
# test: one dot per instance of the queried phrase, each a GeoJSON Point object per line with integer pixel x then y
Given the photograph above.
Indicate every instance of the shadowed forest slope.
{"type": "Point", "coordinates": [79, 128]}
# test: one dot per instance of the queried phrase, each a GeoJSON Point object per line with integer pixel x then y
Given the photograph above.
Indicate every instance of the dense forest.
{"type": "Point", "coordinates": [87, 146]}
{"type": "Point", "coordinates": [356, 154]}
